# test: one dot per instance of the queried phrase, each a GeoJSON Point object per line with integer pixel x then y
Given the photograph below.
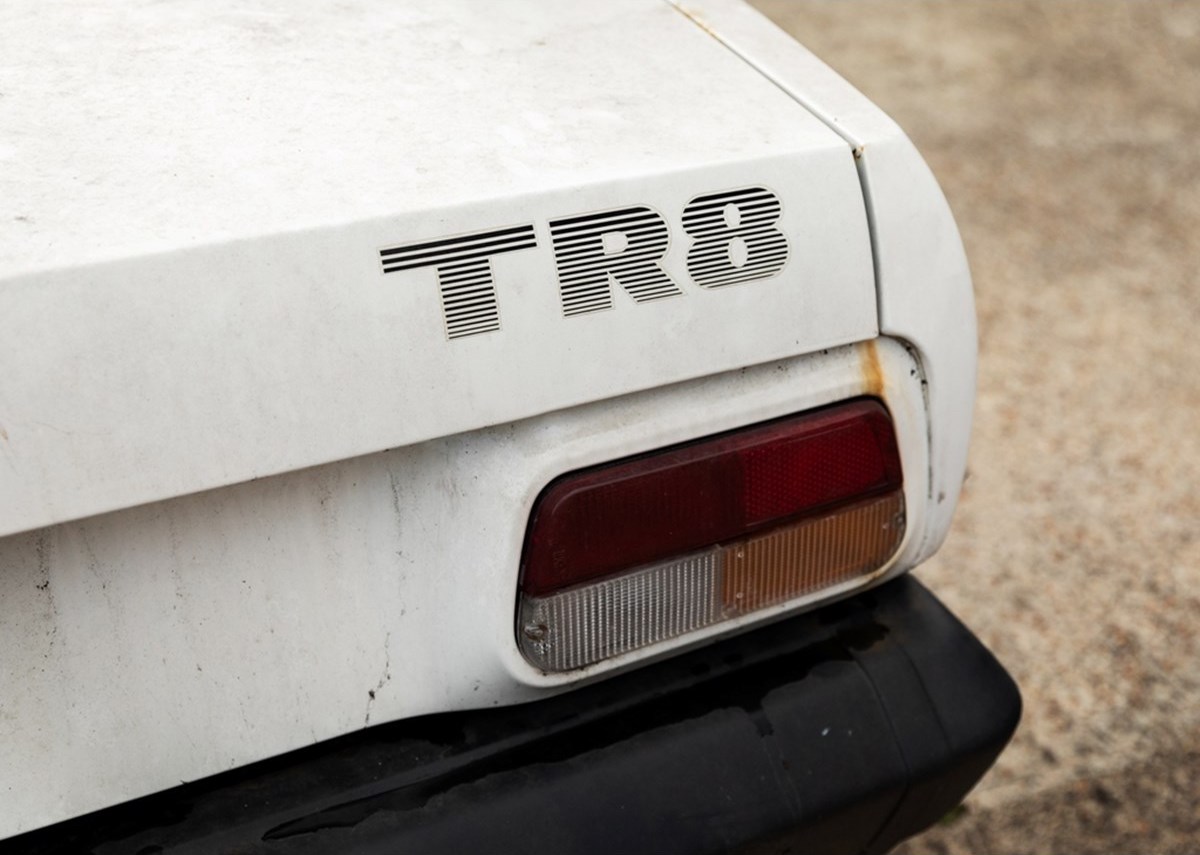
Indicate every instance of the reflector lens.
{"type": "Point", "coordinates": [640, 511]}
{"type": "Point", "coordinates": [592, 622]}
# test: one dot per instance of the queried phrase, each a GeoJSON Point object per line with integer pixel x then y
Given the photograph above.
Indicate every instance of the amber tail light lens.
{"type": "Point", "coordinates": [632, 553]}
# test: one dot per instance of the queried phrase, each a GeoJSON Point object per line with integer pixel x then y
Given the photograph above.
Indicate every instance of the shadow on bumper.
{"type": "Point", "coordinates": [840, 731]}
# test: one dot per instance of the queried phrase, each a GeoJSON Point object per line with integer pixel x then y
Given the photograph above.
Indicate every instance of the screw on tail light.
{"type": "Point", "coordinates": [627, 554]}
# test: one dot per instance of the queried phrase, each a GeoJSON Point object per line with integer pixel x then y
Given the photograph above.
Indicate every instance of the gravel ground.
{"type": "Point", "coordinates": [1064, 135]}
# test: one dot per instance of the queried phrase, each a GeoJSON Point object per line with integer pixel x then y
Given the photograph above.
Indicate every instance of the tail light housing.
{"type": "Point", "coordinates": [631, 553]}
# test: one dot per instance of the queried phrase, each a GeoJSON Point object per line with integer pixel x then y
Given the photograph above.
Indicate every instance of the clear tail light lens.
{"type": "Point", "coordinates": [631, 553]}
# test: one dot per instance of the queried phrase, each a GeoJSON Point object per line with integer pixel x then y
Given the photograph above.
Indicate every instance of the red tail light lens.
{"type": "Point", "coordinates": [626, 514]}
{"type": "Point", "coordinates": [631, 553]}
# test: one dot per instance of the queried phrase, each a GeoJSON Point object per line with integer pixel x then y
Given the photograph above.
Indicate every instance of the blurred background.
{"type": "Point", "coordinates": [1065, 136]}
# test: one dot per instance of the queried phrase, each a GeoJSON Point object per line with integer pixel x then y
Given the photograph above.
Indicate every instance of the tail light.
{"type": "Point", "coordinates": [642, 550]}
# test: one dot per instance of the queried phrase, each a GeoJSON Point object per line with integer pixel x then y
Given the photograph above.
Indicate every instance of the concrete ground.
{"type": "Point", "coordinates": [1065, 136]}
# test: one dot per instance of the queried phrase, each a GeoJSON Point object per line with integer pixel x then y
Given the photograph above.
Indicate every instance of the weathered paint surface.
{"type": "Point", "coordinates": [179, 639]}
{"type": "Point", "coordinates": [923, 281]}
{"type": "Point", "coordinates": [183, 637]}
{"type": "Point", "coordinates": [195, 297]}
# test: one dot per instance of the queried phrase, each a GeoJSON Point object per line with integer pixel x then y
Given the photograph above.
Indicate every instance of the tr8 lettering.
{"type": "Point", "coordinates": [734, 238]}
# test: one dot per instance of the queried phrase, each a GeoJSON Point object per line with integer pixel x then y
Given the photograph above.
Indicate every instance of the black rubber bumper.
{"type": "Point", "coordinates": [841, 731]}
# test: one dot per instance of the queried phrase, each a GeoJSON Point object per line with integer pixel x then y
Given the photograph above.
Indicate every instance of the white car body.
{"type": "Point", "coordinates": [252, 496]}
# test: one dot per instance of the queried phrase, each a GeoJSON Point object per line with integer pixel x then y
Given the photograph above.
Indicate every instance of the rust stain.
{"type": "Point", "coordinates": [858, 152]}
{"type": "Point", "coordinates": [872, 370]}
{"type": "Point", "coordinates": [3, 433]}
{"type": "Point", "coordinates": [698, 21]}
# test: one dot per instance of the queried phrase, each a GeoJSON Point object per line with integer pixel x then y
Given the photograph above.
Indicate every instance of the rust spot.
{"type": "Point", "coordinates": [698, 21]}
{"type": "Point", "coordinates": [872, 370]}
{"type": "Point", "coordinates": [3, 433]}
{"type": "Point", "coordinates": [858, 152]}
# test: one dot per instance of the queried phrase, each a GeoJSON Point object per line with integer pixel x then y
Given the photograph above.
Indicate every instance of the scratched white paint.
{"type": "Point", "coordinates": [189, 298]}
{"type": "Point", "coordinates": [179, 639]}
